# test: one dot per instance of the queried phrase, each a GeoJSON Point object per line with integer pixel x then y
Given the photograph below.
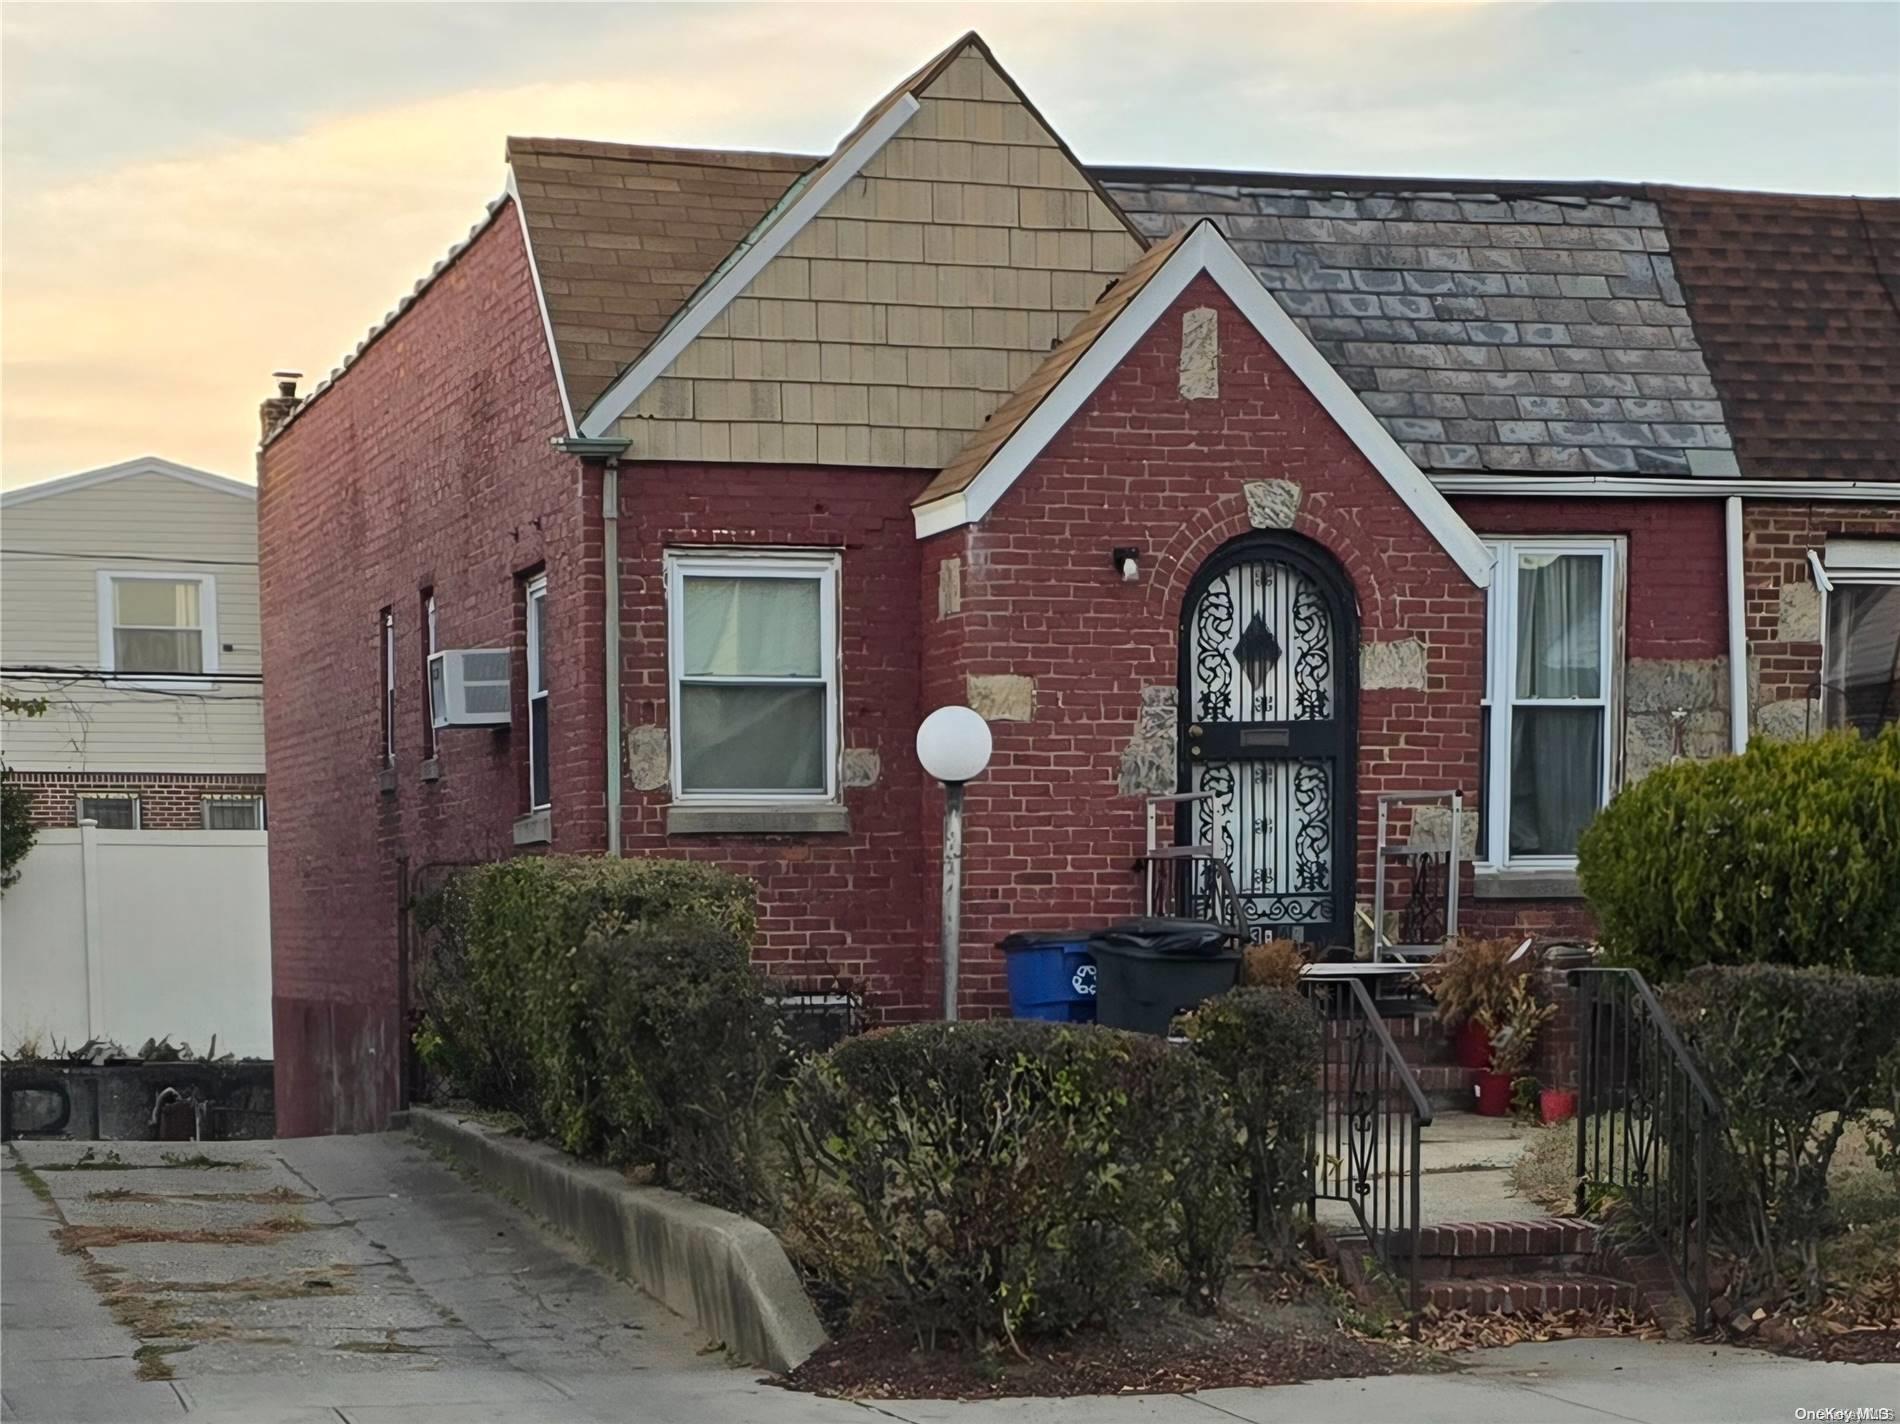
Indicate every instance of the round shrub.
{"type": "Point", "coordinates": [1266, 1046]}
{"type": "Point", "coordinates": [1788, 854]}
{"type": "Point", "coordinates": [1002, 1179]}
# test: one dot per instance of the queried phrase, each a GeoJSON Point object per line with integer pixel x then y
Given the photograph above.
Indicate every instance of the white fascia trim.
{"type": "Point", "coordinates": [126, 469]}
{"type": "Point", "coordinates": [541, 300]}
{"type": "Point", "coordinates": [1205, 250]}
{"type": "Point", "coordinates": [1637, 487]}
{"type": "Point", "coordinates": [620, 396]}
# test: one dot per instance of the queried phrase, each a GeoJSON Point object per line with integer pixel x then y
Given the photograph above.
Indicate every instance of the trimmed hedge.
{"type": "Point", "coordinates": [1795, 1055]}
{"type": "Point", "coordinates": [1266, 1045]}
{"type": "Point", "coordinates": [611, 1004]}
{"type": "Point", "coordinates": [1002, 1179]}
{"type": "Point", "coordinates": [1788, 854]}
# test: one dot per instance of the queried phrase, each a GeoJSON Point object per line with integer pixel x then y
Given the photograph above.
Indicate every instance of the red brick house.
{"type": "Point", "coordinates": [751, 460]}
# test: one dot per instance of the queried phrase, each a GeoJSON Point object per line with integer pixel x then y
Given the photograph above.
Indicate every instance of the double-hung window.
{"type": "Point", "coordinates": [387, 657]}
{"type": "Point", "coordinates": [428, 692]}
{"type": "Point", "coordinates": [233, 813]}
{"type": "Point", "coordinates": [753, 658]}
{"type": "Point", "coordinates": [539, 795]}
{"type": "Point", "coordinates": [1860, 650]}
{"type": "Point", "coordinates": [1551, 676]}
{"type": "Point", "coordinates": [154, 625]}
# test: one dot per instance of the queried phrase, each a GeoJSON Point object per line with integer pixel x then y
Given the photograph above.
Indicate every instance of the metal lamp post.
{"type": "Point", "coordinates": [954, 746]}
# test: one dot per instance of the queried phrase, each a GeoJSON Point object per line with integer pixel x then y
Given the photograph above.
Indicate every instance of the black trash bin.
{"type": "Point", "coordinates": [1147, 971]}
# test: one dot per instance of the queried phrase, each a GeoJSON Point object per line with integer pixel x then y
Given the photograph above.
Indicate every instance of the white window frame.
{"type": "Point", "coordinates": [386, 655]}
{"type": "Point", "coordinates": [206, 802]}
{"type": "Point", "coordinates": [821, 566]}
{"type": "Point", "coordinates": [1500, 683]}
{"type": "Point", "coordinates": [79, 806]}
{"type": "Point", "coordinates": [536, 591]}
{"type": "Point", "coordinates": [430, 742]}
{"type": "Point", "coordinates": [1851, 563]}
{"type": "Point", "coordinates": [207, 627]}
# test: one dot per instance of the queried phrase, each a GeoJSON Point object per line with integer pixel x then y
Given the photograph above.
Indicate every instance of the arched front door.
{"type": "Point", "coordinates": [1268, 699]}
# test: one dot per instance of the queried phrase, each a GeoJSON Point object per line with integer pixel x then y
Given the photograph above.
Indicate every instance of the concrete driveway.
{"type": "Point", "coordinates": [349, 1280]}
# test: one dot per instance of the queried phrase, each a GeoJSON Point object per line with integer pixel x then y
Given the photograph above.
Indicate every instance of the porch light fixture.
{"type": "Point", "coordinates": [1127, 563]}
{"type": "Point", "coordinates": [953, 744]}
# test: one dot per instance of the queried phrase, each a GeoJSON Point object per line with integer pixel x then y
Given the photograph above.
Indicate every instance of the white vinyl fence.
{"type": "Point", "coordinates": [131, 935]}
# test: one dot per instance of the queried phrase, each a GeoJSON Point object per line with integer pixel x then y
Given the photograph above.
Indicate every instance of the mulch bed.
{"type": "Point", "coordinates": [1162, 1351]}
{"type": "Point", "coordinates": [1875, 1346]}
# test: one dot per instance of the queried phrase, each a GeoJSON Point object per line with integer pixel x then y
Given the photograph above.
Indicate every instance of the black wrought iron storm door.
{"type": "Point", "coordinates": [1268, 694]}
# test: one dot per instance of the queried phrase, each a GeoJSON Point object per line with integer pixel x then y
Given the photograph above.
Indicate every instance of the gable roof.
{"type": "Point", "coordinates": [1501, 327]}
{"type": "Point", "coordinates": [972, 484]}
{"type": "Point", "coordinates": [1797, 304]}
{"type": "Point", "coordinates": [804, 200]}
{"type": "Point", "coordinates": [623, 235]}
{"type": "Point", "coordinates": [128, 469]}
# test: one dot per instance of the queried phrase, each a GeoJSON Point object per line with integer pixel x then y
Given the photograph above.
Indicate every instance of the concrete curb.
{"type": "Point", "coordinates": [723, 1271]}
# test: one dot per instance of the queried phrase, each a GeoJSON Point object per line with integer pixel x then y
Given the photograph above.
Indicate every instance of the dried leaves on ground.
{"type": "Point", "coordinates": [1466, 1330]}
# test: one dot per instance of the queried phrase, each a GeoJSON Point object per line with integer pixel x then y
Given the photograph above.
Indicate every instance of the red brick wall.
{"type": "Point", "coordinates": [833, 907]}
{"type": "Point", "coordinates": [426, 465]}
{"type": "Point", "coordinates": [1050, 839]}
{"type": "Point", "coordinates": [1677, 587]}
{"type": "Point", "coordinates": [1776, 538]}
{"type": "Point", "coordinates": [168, 800]}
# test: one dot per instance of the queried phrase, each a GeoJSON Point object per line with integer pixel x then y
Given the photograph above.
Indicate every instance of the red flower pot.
{"type": "Point", "coordinates": [1472, 1044]}
{"type": "Point", "coordinates": [1494, 1095]}
{"type": "Point", "coordinates": [1554, 1105]}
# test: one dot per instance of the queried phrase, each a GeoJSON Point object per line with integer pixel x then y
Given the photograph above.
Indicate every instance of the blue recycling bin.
{"type": "Point", "coordinates": [1051, 975]}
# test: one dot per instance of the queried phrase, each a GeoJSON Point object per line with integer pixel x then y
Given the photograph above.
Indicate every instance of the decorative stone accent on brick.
{"type": "Point", "coordinates": [1431, 828]}
{"type": "Point", "coordinates": [950, 587]}
{"type": "Point", "coordinates": [1003, 697]}
{"type": "Point", "coordinates": [861, 767]}
{"type": "Point", "coordinates": [649, 758]}
{"type": "Point", "coordinates": [1398, 664]}
{"type": "Point", "coordinates": [1792, 719]}
{"type": "Point", "coordinates": [1200, 354]}
{"type": "Point", "coordinates": [1272, 504]}
{"type": "Point", "coordinates": [1148, 761]}
{"type": "Point", "coordinates": [1799, 617]}
{"type": "Point", "coordinates": [1656, 690]}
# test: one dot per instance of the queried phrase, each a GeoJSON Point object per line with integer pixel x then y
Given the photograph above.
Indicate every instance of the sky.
{"type": "Point", "coordinates": [195, 195]}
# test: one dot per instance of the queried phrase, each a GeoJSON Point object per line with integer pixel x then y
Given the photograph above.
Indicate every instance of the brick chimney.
{"type": "Point", "coordinates": [277, 409]}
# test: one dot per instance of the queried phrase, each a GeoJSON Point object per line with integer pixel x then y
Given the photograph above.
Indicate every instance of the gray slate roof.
{"type": "Point", "coordinates": [1490, 327]}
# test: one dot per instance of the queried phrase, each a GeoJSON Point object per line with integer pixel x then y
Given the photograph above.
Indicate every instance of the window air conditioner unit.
{"type": "Point", "coordinates": [468, 687]}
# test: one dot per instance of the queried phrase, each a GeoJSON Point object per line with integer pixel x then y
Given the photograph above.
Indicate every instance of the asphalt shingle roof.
{"type": "Point", "coordinates": [1797, 304]}
{"type": "Point", "coordinates": [1497, 328]}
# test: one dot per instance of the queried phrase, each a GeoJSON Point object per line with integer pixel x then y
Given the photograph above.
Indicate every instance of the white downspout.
{"type": "Point", "coordinates": [1737, 632]}
{"type": "Point", "coordinates": [610, 556]}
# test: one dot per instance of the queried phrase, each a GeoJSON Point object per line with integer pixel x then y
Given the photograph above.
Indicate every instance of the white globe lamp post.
{"type": "Point", "coordinates": [954, 746]}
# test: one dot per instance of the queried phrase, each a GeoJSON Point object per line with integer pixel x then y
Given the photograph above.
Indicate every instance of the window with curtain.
{"type": "Point", "coordinates": [1860, 683]}
{"type": "Point", "coordinates": [540, 793]}
{"type": "Point", "coordinates": [157, 624]}
{"type": "Point", "coordinates": [233, 813]}
{"type": "Point", "coordinates": [1548, 694]}
{"type": "Point", "coordinates": [753, 656]}
{"type": "Point", "coordinates": [386, 655]}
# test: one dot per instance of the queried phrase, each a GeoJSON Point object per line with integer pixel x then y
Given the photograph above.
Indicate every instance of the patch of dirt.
{"type": "Point", "coordinates": [110, 1161]}
{"type": "Point", "coordinates": [87, 1237]}
{"type": "Point", "coordinates": [152, 1362]}
{"type": "Point", "coordinates": [389, 1345]}
{"type": "Point", "coordinates": [273, 1196]}
{"type": "Point", "coordinates": [1854, 1347]}
{"type": "Point", "coordinates": [1271, 1330]}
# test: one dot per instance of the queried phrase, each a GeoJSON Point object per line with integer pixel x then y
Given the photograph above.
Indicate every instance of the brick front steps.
{"type": "Point", "coordinates": [1427, 1049]}
{"type": "Point", "coordinates": [1499, 1267]}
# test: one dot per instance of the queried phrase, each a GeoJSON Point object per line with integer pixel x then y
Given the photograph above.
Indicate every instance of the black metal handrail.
{"type": "Point", "coordinates": [1365, 1148]}
{"type": "Point", "coordinates": [1647, 1123]}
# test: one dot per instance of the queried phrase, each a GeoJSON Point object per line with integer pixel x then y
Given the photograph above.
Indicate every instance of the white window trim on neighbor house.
{"type": "Point", "coordinates": [108, 621]}
{"type": "Point", "coordinates": [821, 567]}
{"type": "Point", "coordinates": [205, 803]}
{"type": "Point", "coordinates": [1849, 563]}
{"type": "Point", "coordinates": [1499, 691]}
{"type": "Point", "coordinates": [81, 814]}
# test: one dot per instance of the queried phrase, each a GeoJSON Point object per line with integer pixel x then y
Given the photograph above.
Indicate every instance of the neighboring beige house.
{"type": "Point", "coordinates": [128, 602]}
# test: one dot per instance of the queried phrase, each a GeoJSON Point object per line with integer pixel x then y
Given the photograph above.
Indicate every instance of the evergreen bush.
{"type": "Point", "coordinates": [1788, 854]}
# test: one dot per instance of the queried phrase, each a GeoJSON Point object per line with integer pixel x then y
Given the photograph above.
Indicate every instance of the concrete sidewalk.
{"type": "Point", "coordinates": [444, 1305]}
